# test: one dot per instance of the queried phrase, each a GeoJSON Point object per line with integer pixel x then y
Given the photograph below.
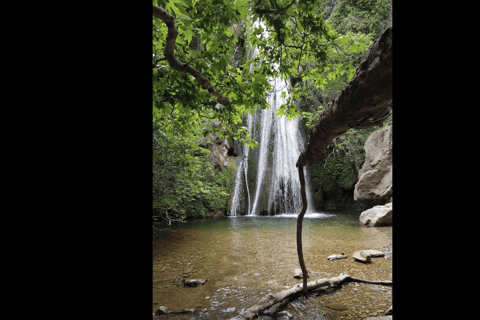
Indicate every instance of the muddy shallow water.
{"type": "Point", "coordinates": [244, 257]}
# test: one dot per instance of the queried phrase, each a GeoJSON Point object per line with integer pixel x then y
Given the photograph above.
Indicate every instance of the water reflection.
{"type": "Point", "coordinates": [246, 256]}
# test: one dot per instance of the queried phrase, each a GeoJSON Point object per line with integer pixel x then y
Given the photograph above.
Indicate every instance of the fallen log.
{"type": "Point", "coordinates": [273, 298]}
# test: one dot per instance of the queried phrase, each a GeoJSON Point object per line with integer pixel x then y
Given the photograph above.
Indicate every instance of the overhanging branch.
{"type": "Point", "coordinates": [365, 102]}
{"type": "Point", "coordinates": [176, 64]}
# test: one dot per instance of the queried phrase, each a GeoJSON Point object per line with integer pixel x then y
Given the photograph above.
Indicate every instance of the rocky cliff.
{"type": "Point", "coordinates": [375, 186]}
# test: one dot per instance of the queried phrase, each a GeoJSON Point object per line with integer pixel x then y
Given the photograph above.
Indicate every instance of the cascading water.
{"type": "Point", "coordinates": [277, 184]}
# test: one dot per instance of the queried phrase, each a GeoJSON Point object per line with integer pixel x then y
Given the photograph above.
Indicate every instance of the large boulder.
{"type": "Point", "coordinates": [377, 216]}
{"type": "Point", "coordinates": [375, 184]}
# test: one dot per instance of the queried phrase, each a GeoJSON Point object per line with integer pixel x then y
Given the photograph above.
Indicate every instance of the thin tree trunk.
{"type": "Point", "coordinates": [299, 227]}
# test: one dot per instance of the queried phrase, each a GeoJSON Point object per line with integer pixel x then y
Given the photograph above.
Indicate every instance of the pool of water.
{"type": "Point", "coordinates": [245, 257]}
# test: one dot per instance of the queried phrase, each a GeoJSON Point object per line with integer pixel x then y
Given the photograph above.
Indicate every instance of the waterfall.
{"type": "Point", "coordinates": [242, 171]}
{"type": "Point", "coordinates": [277, 184]}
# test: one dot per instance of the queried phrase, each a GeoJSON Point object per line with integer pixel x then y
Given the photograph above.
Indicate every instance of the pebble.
{"type": "Point", "coordinates": [229, 310]}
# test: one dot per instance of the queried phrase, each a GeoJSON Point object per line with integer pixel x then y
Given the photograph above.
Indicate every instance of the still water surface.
{"type": "Point", "coordinates": [244, 257]}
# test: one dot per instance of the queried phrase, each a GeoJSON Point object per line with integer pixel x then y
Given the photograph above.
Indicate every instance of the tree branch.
{"type": "Point", "coordinates": [272, 298]}
{"type": "Point", "coordinates": [176, 64]}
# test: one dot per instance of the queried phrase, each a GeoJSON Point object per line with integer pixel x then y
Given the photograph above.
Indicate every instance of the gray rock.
{"type": "Point", "coordinates": [366, 255]}
{"type": "Point", "coordinates": [229, 310]}
{"type": "Point", "coordinates": [336, 256]}
{"type": "Point", "coordinates": [298, 274]}
{"type": "Point", "coordinates": [388, 250]}
{"type": "Point", "coordinates": [377, 216]}
{"type": "Point", "coordinates": [357, 255]}
{"type": "Point", "coordinates": [161, 310]}
{"type": "Point", "coordinates": [375, 177]}
{"type": "Point", "coordinates": [377, 289]}
{"type": "Point", "coordinates": [194, 282]}
{"type": "Point", "coordinates": [218, 146]}
{"type": "Point", "coordinates": [380, 318]}
{"type": "Point", "coordinates": [373, 253]}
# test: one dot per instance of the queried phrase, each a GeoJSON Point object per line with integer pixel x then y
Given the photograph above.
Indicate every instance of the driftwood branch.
{"type": "Point", "coordinates": [273, 298]}
{"type": "Point", "coordinates": [176, 64]}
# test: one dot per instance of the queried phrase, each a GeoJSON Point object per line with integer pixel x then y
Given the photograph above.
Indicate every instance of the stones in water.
{"type": "Point", "coordinates": [336, 256]}
{"type": "Point", "coordinates": [377, 289]}
{"type": "Point", "coordinates": [377, 216]}
{"type": "Point", "coordinates": [229, 310]}
{"type": "Point", "coordinates": [336, 306]}
{"type": "Point", "coordinates": [358, 256]}
{"type": "Point", "coordinates": [366, 255]}
{"type": "Point", "coordinates": [388, 250]}
{"type": "Point", "coordinates": [298, 274]}
{"type": "Point", "coordinates": [161, 310]}
{"type": "Point", "coordinates": [194, 282]}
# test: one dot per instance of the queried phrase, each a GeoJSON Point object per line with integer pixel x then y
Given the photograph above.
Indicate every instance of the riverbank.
{"type": "Point", "coordinates": [242, 265]}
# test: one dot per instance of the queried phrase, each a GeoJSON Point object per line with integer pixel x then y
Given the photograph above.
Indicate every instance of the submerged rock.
{"type": "Point", "coordinates": [337, 256]}
{"type": "Point", "coordinates": [229, 310]}
{"type": "Point", "coordinates": [360, 257]}
{"type": "Point", "coordinates": [161, 310]}
{"type": "Point", "coordinates": [298, 274]}
{"type": "Point", "coordinates": [366, 255]}
{"type": "Point", "coordinates": [194, 282]}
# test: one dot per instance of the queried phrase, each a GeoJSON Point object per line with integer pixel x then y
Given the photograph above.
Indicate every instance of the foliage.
{"type": "Point", "coordinates": [184, 183]}
{"type": "Point", "coordinates": [294, 41]}
{"type": "Point", "coordinates": [211, 21]}
{"type": "Point", "coordinates": [366, 16]}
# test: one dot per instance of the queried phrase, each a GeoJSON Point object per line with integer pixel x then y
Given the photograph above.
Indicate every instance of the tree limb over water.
{"type": "Point", "coordinates": [176, 64]}
{"type": "Point", "coordinates": [365, 102]}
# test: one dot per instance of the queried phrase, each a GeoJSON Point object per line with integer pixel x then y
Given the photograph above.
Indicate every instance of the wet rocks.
{"type": "Point", "coordinates": [229, 310]}
{"type": "Point", "coordinates": [358, 255]}
{"type": "Point", "coordinates": [377, 216]}
{"type": "Point", "coordinates": [336, 306]}
{"type": "Point", "coordinates": [161, 310]}
{"type": "Point", "coordinates": [366, 255]}
{"type": "Point", "coordinates": [388, 250]}
{"type": "Point", "coordinates": [377, 289]}
{"type": "Point", "coordinates": [194, 282]}
{"type": "Point", "coordinates": [336, 256]}
{"type": "Point", "coordinates": [298, 274]}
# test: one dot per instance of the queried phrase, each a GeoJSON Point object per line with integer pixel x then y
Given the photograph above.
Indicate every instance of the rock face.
{"type": "Point", "coordinates": [218, 148]}
{"type": "Point", "coordinates": [375, 185]}
{"type": "Point", "coordinates": [377, 216]}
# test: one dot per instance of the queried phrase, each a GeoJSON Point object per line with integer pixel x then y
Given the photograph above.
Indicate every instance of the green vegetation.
{"type": "Point", "coordinates": [316, 44]}
{"type": "Point", "coordinates": [184, 182]}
